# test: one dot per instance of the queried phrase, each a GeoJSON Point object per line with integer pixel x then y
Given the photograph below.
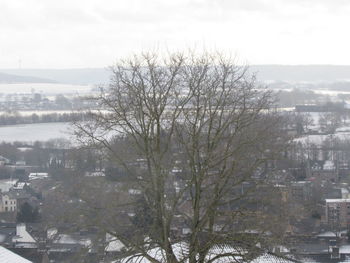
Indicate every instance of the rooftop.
{"type": "Point", "coordinates": [337, 200]}
{"type": "Point", "coordinates": [7, 256]}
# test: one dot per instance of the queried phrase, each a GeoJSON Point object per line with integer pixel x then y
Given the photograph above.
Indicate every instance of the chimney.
{"type": "Point", "coordinates": [20, 229]}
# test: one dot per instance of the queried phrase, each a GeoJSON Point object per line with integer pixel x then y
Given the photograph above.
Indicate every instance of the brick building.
{"type": "Point", "coordinates": [338, 212]}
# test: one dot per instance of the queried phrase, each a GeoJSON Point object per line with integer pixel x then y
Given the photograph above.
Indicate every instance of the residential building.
{"type": "Point", "coordinates": [7, 203]}
{"type": "Point", "coordinates": [338, 213]}
{"type": "Point", "coordinates": [301, 190]}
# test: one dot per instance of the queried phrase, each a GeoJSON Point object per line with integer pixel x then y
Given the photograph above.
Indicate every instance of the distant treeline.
{"type": "Point", "coordinates": [290, 98]}
{"type": "Point", "coordinates": [297, 97]}
{"type": "Point", "coordinates": [13, 119]}
{"type": "Point", "coordinates": [327, 107]}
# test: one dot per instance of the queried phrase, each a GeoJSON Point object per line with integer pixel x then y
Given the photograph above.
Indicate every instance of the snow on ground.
{"type": "Point", "coordinates": [311, 139]}
{"type": "Point", "coordinates": [39, 112]}
{"type": "Point", "coordinates": [330, 92]}
{"type": "Point", "coordinates": [318, 139]}
{"type": "Point", "coordinates": [45, 112]}
{"type": "Point", "coordinates": [315, 116]}
{"type": "Point", "coordinates": [45, 88]}
{"type": "Point", "coordinates": [35, 132]}
{"type": "Point", "coordinates": [342, 133]}
{"type": "Point", "coordinates": [343, 129]}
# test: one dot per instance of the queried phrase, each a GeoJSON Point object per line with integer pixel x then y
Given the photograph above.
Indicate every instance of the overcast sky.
{"type": "Point", "coordinates": [94, 33]}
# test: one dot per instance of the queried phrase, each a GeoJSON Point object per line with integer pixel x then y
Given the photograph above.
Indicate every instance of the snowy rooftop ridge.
{"type": "Point", "coordinates": [181, 252]}
{"type": "Point", "coordinates": [337, 200]}
{"type": "Point", "coordinates": [22, 236]}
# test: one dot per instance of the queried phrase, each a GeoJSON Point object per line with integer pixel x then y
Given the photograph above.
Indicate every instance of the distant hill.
{"type": "Point", "coordinates": [10, 78]}
{"type": "Point", "coordinates": [287, 73]}
{"type": "Point", "coordinates": [302, 73]}
{"type": "Point", "coordinates": [69, 76]}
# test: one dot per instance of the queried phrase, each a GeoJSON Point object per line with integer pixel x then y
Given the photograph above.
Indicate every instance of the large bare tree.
{"type": "Point", "coordinates": [194, 134]}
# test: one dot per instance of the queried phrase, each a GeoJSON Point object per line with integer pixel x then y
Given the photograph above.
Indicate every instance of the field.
{"type": "Point", "coordinates": [44, 88]}
{"type": "Point", "coordinates": [35, 132]}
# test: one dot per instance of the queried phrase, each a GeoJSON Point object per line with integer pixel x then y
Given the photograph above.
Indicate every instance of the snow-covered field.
{"type": "Point", "coordinates": [38, 112]}
{"type": "Point", "coordinates": [318, 139]}
{"type": "Point", "coordinates": [45, 88]}
{"type": "Point", "coordinates": [6, 184]}
{"type": "Point", "coordinates": [35, 132]}
{"type": "Point", "coordinates": [330, 92]}
{"type": "Point", "coordinates": [342, 133]}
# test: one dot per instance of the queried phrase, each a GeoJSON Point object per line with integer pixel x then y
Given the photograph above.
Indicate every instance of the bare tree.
{"type": "Point", "coordinates": [194, 134]}
{"type": "Point", "coordinates": [329, 121]}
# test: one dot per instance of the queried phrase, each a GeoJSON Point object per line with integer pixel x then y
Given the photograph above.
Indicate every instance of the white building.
{"type": "Point", "coordinates": [7, 203]}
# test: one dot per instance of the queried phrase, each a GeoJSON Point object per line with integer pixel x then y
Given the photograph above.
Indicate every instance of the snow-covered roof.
{"type": "Point", "coordinates": [65, 239]}
{"type": "Point", "coordinates": [337, 200]}
{"type": "Point", "coordinates": [134, 191]}
{"type": "Point", "coordinates": [3, 159]}
{"type": "Point", "coordinates": [6, 185]}
{"type": "Point", "coordinates": [19, 185]}
{"type": "Point", "coordinates": [332, 234]}
{"type": "Point", "coordinates": [7, 256]}
{"type": "Point", "coordinates": [268, 258]}
{"type": "Point", "coordinates": [22, 236]}
{"type": "Point", "coordinates": [344, 193]}
{"type": "Point", "coordinates": [344, 249]}
{"type": "Point", "coordinates": [327, 234]}
{"type": "Point", "coordinates": [70, 240]}
{"type": "Point", "coordinates": [328, 165]}
{"type": "Point", "coordinates": [181, 252]}
{"type": "Point", "coordinates": [33, 176]}
{"type": "Point", "coordinates": [95, 174]}
{"type": "Point", "coordinates": [114, 245]}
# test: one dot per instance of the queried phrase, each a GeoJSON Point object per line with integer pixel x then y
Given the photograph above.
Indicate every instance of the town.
{"type": "Point", "coordinates": [52, 192]}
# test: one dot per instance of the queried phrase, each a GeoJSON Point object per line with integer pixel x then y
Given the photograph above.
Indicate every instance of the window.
{"type": "Point", "coordinates": [5, 202]}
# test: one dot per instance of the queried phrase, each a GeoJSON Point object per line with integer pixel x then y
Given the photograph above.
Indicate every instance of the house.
{"type": "Point", "coordinates": [23, 239]}
{"type": "Point", "coordinates": [19, 240]}
{"type": "Point", "coordinates": [229, 254]}
{"type": "Point", "coordinates": [34, 176]}
{"type": "Point", "coordinates": [4, 161]}
{"type": "Point", "coordinates": [14, 235]}
{"type": "Point", "coordinates": [20, 185]}
{"type": "Point", "coordinates": [20, 163]}
{"type": "Point", "coordinates": [16, 196]}
{"type": "Point", "coordinates": [114, 247]}
{"type": "Point", "coordinates": [324, 171]}
{"type": "Point", "coordinates": [95, 174]}
{"type": "Point", "coordinates": [62, 247]}
{"type": "Point", "coordinates": [7, 203]}
{"type": "Point", "coordinates": [22, 196]}
{"type": "Point", "coordinates": [301, 190]}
